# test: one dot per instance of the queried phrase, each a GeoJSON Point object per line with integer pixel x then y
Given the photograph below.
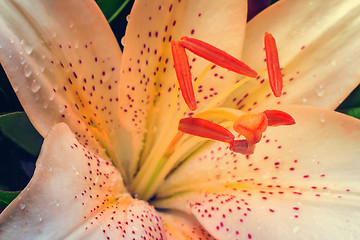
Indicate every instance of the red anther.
{"type": "Point", "coordinates": [278, 118]}
{"type": "Point", "coordinates": [217, 56]}
{"type": "Point", "coordinates": [273, 66]}
{"type": "Point", "coordinates": [251, 126]}
{"type": "Point", "coordinates": [242, 146]}
{"type": "Point", "coordinates": [183, 74]}
{"type": "Point", "coordinates": [204, 128]}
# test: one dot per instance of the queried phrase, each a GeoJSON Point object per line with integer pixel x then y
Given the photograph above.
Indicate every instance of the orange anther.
{"type": "Point", "coordinates": [273, 66]}
{"type": "Point", "coordinates": [278, 118]}
{"type": "Point", "coordinates": [183, 74]}
{"type": "Point", "coordinates": [217, 56]}
{"type": "Point", "coordinates": [204, 128]}
{"type": "Point", "coordinates": [251, 126]}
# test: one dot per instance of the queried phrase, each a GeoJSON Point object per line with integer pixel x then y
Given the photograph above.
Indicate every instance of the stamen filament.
{"type": "Point", "coordinates": [278, 118]}
{"type": "Point", "coordinates": [273, 65]}
{"type": "Point", "coordinates": [183, 74]}
{"type": "Point", "coordinates": [205, 128]}
{"type": "Point", "coordinates": [217, 56]}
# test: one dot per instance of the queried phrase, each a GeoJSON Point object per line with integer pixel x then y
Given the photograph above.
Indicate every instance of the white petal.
{"type": "Point", "coordinates": [149, 97]}
{"type": "Point", "coordinates": [182, 226]}
{"type": "Point", "coordinates": [64, 63]}
{"type": "Point", "coordinates": [318, 44]}
{"type": "Point", "coordinates": [73, 195]}
{"type": "Point", "coordinates": [301, 182]}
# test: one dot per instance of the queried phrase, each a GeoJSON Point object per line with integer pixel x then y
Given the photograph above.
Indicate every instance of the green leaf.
{"type": "Point", "coordinates": [18, 128]}
{"type": "Point", "coordinates": [355, 112]}
{"type": "Point", "coordinates": [112, 8]}
{"type": "Point", "coordinates": [6, 197]}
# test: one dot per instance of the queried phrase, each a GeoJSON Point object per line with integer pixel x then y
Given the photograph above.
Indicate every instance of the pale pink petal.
{"type": "Point", "coordinates": [76, 195]}
{"type": "Point", "coordinates": [302, 182]}
{"type": "Point", "coordinates": [64, 64]}
{"type": "Point", "coordinates": [149, 98]}
{"type": "Point", "coordinates": [181, 226]}
{"type": "Point", "coordinates": [318, 44]}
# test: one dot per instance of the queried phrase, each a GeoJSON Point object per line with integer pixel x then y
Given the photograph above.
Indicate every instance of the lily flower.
{"type": "Point", "coordinates": [114, 165]}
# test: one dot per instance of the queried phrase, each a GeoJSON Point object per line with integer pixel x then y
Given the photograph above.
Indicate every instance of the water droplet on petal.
{"type": "Point", "coordinates": [16, 88]}
{"type": "Point", "coordinates": [45, 105]}
{"type": "Point", "coordinates": [22, 206]}
{"type": "Point", "coordinates": [61, 108]}
{"type": "Point", "coordinates": [296, 229]}
{"type": "Point", "coordinates": [304, 100]}
{"type": "Point", "coordinates": [52, 96]}
{"type": "Point", "coordinates": [22, 60]}
{"type": "Point", "coordinates": [122, 41]}
{"type": "Point", "coordinates": [128, 18]}
{"type": "Point", "coordinates": [28, 49]}
{"type": "Point", "coordinates": [35, 86]}
{"type": "Point", "coordinates": [320, 91]}
{"type": "Point", "coordinates": [322, 118]}
{"type": "Point", "coordinates": [11, 40]}
{"type": "Point", "coordinates": [57, 203]}
{"type": "Point", "coordinates": [40, 218]}
{"type": "Point", "coordinates": [27, 71]}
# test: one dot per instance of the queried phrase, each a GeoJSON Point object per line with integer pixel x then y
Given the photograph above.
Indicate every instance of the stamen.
{"type": "Point", "coordinates": [278, 118]}
{"type": "Point", "coordinates": [273, 65]}
{"type": "Point", "coordinates": [217, 56]}
{"type": "Point", "coordinates": [204, 128]}
{"type": "Point", "coordinates": [183, 74]}
{"type": "Point", "coordinates": [251, 126]}
{"type": "Point", "coordinates": [242, 146]}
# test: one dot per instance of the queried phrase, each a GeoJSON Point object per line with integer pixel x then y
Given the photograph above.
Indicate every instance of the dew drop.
{"type": "Point", "coordinates": [122, 41]}
{"type": "Point", "coordinates": [16, 88]}
{"type": "Point", "coordinates": [296, 229]}
{"type": "Point", "coordinates": [322, 118]}
{"type": "Point", "coordinates": [22, 60]}
{"type": "Point", "coordinates": [22, 206]}
{"type": "Point", "coordinates": [28, 49]}
{"type": "Point", "coordinates": [11, 40]}
{"type": "Point", "coordinates": [51, 169]}
{"type": "Point", "coordinates": [128, 18]}
{"type": "Point", "coordinates": [52, 96]}
{"type": "Point", "coordinates": [35, 86]}
{"type": "Point", "coordinates": [45, 105]}
{"type": "Point", "coordinates": [304, 100]}
{"type": "Point", "coordinates": [27, 71]}
{"type": "Point", "coordinates": [57, 203]}
{"type": "Point", "coordinates": [61, 108]}
{"type": "Point", "coordinates": [320, 91]}
{"type": "Point", "coordinates": [40, 218]}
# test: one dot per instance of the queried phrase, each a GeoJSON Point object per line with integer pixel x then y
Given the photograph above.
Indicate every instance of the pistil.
{"type": "Point", "coordinates": [251, 126]}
